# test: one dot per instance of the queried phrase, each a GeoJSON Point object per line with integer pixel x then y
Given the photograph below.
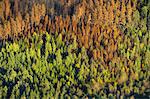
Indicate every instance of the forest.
{"type": "Point", "coordinates": [93, 49]}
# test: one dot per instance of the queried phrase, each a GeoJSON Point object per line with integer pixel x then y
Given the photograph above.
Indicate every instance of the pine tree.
{"type": "Point", "coordinates": [56, 23]}
{"type": "Point", "coordinates": [49, 25]}
{"type": "Point", "coordinates": [117, 8]}
{"type": "Point", "coordinates": [43, 10]}
{"type": "Point", "coordinates": [37, 14]}
{"type": "Point", "coordinates": [26, 22]}
{"type": "Point", "coordinates": [110, 55]}
{"type": "Point", "coordinates": [98, 54]}
{"type": "Point", "coordinates": [95, 54]}
{"type": "Point", "coordinates": [27, 18]}
{"type": "Point", "coordinates": [16, 7]}
{"type": "Point", "coordinates": [1, 12]}
{"type": "Point", "coordinates": [67, 21]}
{"type": "Point", "coordinates": [86, 41]}
{"type": "Point", "coordinates": [93, 31]}
{"type": "Point", "coordinates": [1, 31]}
{"type": "Point", "coordinates": [105, 12]}
{"type": "Point", "coordinates": [112, 4]}
{"type": "Point", "coordinates": [83, 27]}
{"type": "Point", "coordinates": [74, 23]}
{"type": "Point", "coordinates": [33, 14]}
{"type": "Point", "coordinates": [19, 22]}
{"type": "Point", "coordinates": [7, 8]}
{"type": "Point", "coordinates": [80, 10]}
{"type": "Point", "coordinates": [129, 11]}
{"type": "Point", "coordinates": [115, 32]}
{"type": "Point", "coordinates": [100, 15]}
{"type": "Point", "coordinates": [61, 23]}
{"type": "Point", "coordinates": [123, 11]}
{"type": "Point", "coordinates": [87, 29]}
{"type": "Point", "coordinates": [134, 5]}
{"type": "Point", "coordinates": [13, 27]}
{"type": "Point", "coordinates": [8, 28]}
{"type": "Point", "coordinates": [45, 22]}
{"type": "Point", "coordinates": [111, 14]}
{"type": "Point", "coordinates": [101, 2]}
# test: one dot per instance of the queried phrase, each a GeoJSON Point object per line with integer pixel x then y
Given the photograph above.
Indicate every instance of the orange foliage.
{"type": "Point", "coordinates": [80, 10]}
{"type": "Point", "coordinates": [129, 11]}
{"type": "Point", "coordinates": [98, 54]}
{"type": "Point", "coordinates": [1, 30]}
{"type": "Point", "coordinates": [46, 20]}
{"type": "Point", "coordinates": [95, 54]}
{"type": "Point", "coordinates": [86, 40]}
{"type": "Point", "coordinates": [19, 23]}
{"type": "Point", "coordinates": [16, 6]}
{"type": "Point", "coordinates": [92, 22]}
{"type": "Point", "coordinates": [13, 27]}
{"type": "Point", "coordinates": [7, 8]}
{"type": "Point", "coordinates": [2, 11]}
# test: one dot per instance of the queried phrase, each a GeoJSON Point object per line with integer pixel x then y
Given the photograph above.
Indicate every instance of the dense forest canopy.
{"type": "Point", "coordinates": [74, 49]}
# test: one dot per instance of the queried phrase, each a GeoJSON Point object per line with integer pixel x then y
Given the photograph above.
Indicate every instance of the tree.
{"type": "Point", "coordinates": [19, 22]}
{"type": "Point", "coordinates": [123, 11]}
{"type": "Point", "coordinates": [112, 4]}
{"type": "Point", "coordinates": [37, 14]}
{"type": "Point", "coordinates": [33, 14]}
{"type": "Point", "coordinates": [129, 11]}
{"type": "Point", "coordinates": [1, 11]}
{"type": "Point", "coordinates": [111, 14]}
{"type": "Point", "coordinates": [16, 7]}
{"type": "Point", "coordinates": [13, 27]}
{"type": "Point", "coordinates": [86, 41]}
{"type": "Point", "coordinates": [46, 20]}
{"type": "Point", "coordinates": [7, 29]}
{"type": "Point", "coordinates": [80, 10]}
{"type": "Point", "coordinates": [95, 54]}
{"type": "Point", "coordinates": [74, 23]}
{"type": "Point", "coordinates": [1, 31]}
{"type": "Point", "coordinates": [43, 10]}
{"type": "Point", "coordinates": [136, 18]}
{"type": "Point", "coordinates": [7, 8]}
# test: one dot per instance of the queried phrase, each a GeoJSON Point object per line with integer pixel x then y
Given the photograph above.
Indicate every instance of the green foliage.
{"type": "Point", "coordinates": [144, 11]}
{"type": "Point", "coordinates": [61, 69]}
{"type": "Point", "coordinates": [136, 18]}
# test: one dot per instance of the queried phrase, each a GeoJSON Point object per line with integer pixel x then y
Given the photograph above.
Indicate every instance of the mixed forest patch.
{"type": "Point", "coordinates": [74, 48]}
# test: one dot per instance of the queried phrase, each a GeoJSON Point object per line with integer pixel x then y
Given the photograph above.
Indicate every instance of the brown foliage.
{"type": "Point", "coordinates": [16, 7]}
{"type": "Point", "coordinates": [7, 8]}
{"type": "Point", "coordinates": [13, 27]}
{"type": "Point", "coordinates": [95, 54]}
{"type": "Point", "coordinates": [1, 31]}
{"type": "Point", "coordinates": [98, 54]}
{"type": "Point", "coordinates": [2, 11]}
{"type": "Point", "coordinates": [86, 41]}
{"type": "Point", "coordinates": [92, 22]}
{"type": "Point", "coordinates": [19, 23]}
{"type": "Point", "coordinates": [46, 20]}
{"type": "Point", "coordinates": [74, 24]}
{"type": "Point", "coordinates": [129, 11]}
{"type": "Point", "coordinates": [42, 10]}
{"type": "Point", "coordinates": [36, 14]}
{"type": "Point", "coordinates": [80, 10]}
